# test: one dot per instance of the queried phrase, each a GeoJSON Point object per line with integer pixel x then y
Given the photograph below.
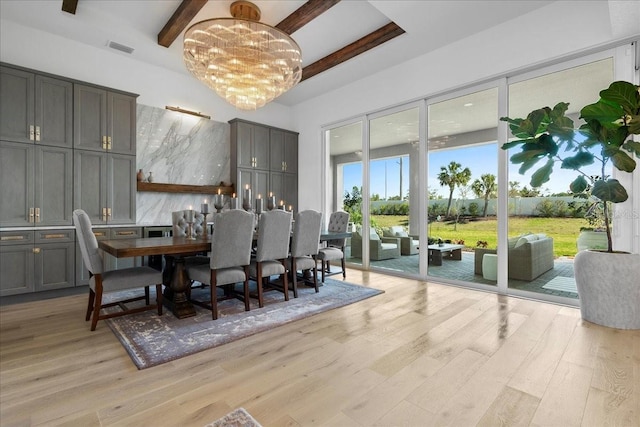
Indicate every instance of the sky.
{"type": "Point", "coordinates": [479, 159]}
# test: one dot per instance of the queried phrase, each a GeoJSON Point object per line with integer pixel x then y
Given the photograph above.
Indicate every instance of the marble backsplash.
{"type": "Point", "coordinates": [178, 149]}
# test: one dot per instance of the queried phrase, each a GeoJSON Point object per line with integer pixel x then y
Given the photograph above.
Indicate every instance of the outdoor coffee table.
{"type": "Point", "coordinates": [438, 252]}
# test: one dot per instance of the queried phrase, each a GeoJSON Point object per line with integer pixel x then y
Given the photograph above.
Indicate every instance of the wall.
{"type": "Point", "coordinates": [178, 149]}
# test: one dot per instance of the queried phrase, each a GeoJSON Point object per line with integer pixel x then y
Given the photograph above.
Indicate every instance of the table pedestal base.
{"type": "Point", "coordinates": [176, 286]}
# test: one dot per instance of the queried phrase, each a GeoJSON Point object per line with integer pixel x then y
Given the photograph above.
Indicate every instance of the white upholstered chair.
{"type": "Point", "coordinates": [230, 257]}
{"type": "Point", "coordinates": [102, 282]}
{"type": "Point", "coordinates": [334, 250]}
{"type": "Point", "coordinates": [272, 252]}
{"type": "Point", "coordinates": [304, 246]}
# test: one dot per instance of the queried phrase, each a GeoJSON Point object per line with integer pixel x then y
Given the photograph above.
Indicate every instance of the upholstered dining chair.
{"type": "Point", "coordinates": [272, 252]}
{"type": "Point", "coordinates": [334, 250]}
{"type": "Point", "coordinates": [102, 282]}
{"type": "Point", "coordinates": [304, 246]}
{"type": "Point", "coordinates": [230, 257]}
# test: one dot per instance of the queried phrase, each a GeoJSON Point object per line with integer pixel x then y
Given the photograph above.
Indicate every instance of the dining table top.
{"type": "Point", "coordinates": [124, 248]}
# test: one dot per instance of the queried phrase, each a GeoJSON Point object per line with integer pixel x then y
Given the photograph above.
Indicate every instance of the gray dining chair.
{"type": "Point", "coordinates": [231, 244]}
{"type": "Point", "coordinates": [334, 249]}
{"type": "Point", "coordinates": [103, 282]}
{"type": "Point", "coordinates": [304, 246]}
{"type": "Point", "coordinates": [272, 252]}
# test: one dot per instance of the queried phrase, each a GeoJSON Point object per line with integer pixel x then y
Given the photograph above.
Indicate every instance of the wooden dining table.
{"type": "Point", "coordinates": [175, 249]}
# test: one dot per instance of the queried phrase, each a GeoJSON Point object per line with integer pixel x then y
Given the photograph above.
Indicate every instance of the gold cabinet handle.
{"type": "Point", "coordinates": [36, 250]}
{"type": "Point", "coordinates": [31, 215]}
{"type": "Point", "coordinates": [104, 142]}
{"type": "Point", "coordinates": [31, 133]}
{"type": "Point", "coordinates": [7, 238]}
{"type": "Point", "coordinates": [108, 143]}
{"type": "Point", "coordinates": [54, 236]}
{"type": "Point", "coordinates": [37, 133]}
{"type": "Point", "coordinates": [99, 233]}
{"type": "Point", "coordinates": [125, 233]}
{"type": "Point", "coordinates": [37, 214]}
{"type": "Point", "coordinates": [108, 213]}
{"type": "Point", "coordinates": [104, 214]}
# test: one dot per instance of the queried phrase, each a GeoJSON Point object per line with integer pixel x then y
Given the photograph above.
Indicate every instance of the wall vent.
{"type": "Point", "coordinates": [120, 47]}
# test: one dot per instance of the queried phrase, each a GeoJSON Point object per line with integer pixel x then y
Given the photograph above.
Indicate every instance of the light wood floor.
{"type": "Point", "coordinates": [421, 354]}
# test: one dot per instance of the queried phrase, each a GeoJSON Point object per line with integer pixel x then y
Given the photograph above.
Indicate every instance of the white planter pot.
{"type": "Point", "coordinates": [592, 240]}
{"type": "Point", "coordinates": [609, 288]}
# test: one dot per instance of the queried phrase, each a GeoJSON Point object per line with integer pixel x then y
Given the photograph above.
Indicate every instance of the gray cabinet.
{"type": "Point", "coordinates": [36, 261]}
{"type": "Point", "coordinates": [36, 185]}
{"type": "Point", "coordinates": [283, 153]}
{"type": "Point", "coordinates": [104, 120]}
{"type": "Point", "coordinates": [35, 109]}
{"type": "Point", "coordinates": [278, 174]}
{"type": "Point", "coordinates": [105, 186]}
{"type": "Point", "coordinates": [110, 262]}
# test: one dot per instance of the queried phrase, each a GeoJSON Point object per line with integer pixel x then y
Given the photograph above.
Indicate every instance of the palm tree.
{"type": "Point", "coordinates": [453, 176]}
{"type": "Point", "coordinates": [485, 187]}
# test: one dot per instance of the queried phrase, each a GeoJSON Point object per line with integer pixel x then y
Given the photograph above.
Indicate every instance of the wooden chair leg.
{"type": "Point", "coordinates": [294, 274]}
{"type": "Point", "coordinates": [246, 288]}
{"type": "Point", "coordinates": [214, 295]}
{"type": "Point", "coordinates": [285, 280]}
{"type": "Point", "coordinates": [92, 298]}
{"type": "Point", "coordinates": [146, 295]}
{"type": "Point", "coordinates": [315, 277]}
{"type": "Point", "coordinates": [159, 298]}
{"type": "Point", "coordinates": [344, 270]}
{"type": "Point", "coordinates": [259, 281]}
{"type": "Point", "coordinates": [97, 304]}
{"type": "Point", "coordinates": [323, 269]}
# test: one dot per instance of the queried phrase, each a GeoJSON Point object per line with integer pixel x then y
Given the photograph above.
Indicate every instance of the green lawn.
{"type": "Point", "coordinates": [564, 231]}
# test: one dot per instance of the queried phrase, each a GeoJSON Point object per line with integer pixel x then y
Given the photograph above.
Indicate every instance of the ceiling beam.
{"type": "Point", "coordinates": [381, 35]}
{"type": "Point", "coordinates": [69, 6]}
{"type": "Point", "coordinates": [305, 14]}
{"type": "Point", "coordinates": [187, 10]}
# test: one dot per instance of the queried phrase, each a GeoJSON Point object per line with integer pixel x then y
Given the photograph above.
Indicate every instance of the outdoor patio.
{"type": "Point", "coordinates": [463, 271]}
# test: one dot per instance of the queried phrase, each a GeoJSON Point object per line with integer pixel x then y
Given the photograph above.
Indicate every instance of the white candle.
{"type": "Point", "coordinates": [246, 202]}
{"type": "Point", "coordinates": [281, 205]}
{"type": "Point", "coordinates": [188, 214]}
{"type": "Point", "coordinates": [205, 207]}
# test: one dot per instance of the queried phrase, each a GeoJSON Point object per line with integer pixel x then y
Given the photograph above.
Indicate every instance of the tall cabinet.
{"type": "Point", "coordinates": [63, 145]}
{"type": "Point", "coordinates": [266, 159]}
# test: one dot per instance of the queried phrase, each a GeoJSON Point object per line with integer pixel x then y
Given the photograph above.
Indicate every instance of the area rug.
{"type": "Point", "coordinates": [237, 418]}
{"type": "Point", "coordinates": [151, 340]}
{"type": "Point", "coordinates": [560, 283]}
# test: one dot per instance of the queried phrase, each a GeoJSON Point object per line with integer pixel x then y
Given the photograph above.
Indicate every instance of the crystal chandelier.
{"type": "Point", "coordinates": [246, 62]}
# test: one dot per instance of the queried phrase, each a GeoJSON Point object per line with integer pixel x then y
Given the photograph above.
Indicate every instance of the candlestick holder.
{"type": "Point", "coordinates": [218, 202]}
{"type": "Point", "coordinates": [205, 232]}
{"type": "Point", "coordinates": [190, 231]}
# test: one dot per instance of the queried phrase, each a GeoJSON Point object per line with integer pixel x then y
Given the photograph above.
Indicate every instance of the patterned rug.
{"type": "Point", "coordinates": [237, 418]}
{"type": "Point", "coordinates": [560, 283]}
{"type": "Point", "coordinates": [152, 340]}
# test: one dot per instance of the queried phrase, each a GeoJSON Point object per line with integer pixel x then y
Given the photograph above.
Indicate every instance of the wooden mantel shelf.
{"type": "Point", "coordinates": [182, 188]}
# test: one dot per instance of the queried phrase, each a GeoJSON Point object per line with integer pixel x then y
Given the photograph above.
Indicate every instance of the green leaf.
{"type": "Point", "coordinates": [542, 175]}
{"type": "Point", "coordinates": [536, 119]}
{"type": "Point", "coordinates": [511, 144]}
{"type": "Point", "coordinates": [581, 159]}
{"type": "Point", "coordinates": [623, 161]}
{"type": "Point", "coordinates": [526, 165]}
{"type": "Point", "coordinates": [579, 185]}
{"type": "Point", "coordinates": [548, 144]}
{"type": "Point", "coordinates": [634, 124]}
{"type": "Point", "coordinates": [633, 147]}
{"type": "Point", "coordinates": [526, 155]}
{"type": "Point", "coordinates": [624, 94]}
{"type": "Point", "coordinates": [605, 113]}
{"type": "Point", "coordinates": [609, 190]}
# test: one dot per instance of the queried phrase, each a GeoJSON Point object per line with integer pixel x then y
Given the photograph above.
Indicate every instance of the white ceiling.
{"type": "Point", "coordinates": [429, 25]}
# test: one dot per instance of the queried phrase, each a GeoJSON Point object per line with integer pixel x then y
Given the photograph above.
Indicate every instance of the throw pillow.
{"type": "Point", "coordinates": [524, 239]}
{"type": "Point", "coordinates": [401, 234]}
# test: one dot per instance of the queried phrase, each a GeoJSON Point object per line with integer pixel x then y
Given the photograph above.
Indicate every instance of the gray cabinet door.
{"type": "Point", "coordinates": [54, 186]}
{"type": "Point", "coordinates": [261, 147]}
{"type": "Point", "coordinates": [54, 259]}
{"type": "Point", "coordinates": [258, 182]}
{"type": "Point", "coordinates": [121, 189]}
{"type": "Point", "coordinates": [291, 152]}
{"type": "Point", "coordinates": [17, 184]}
{"type": "Point", "coordinates": [121, 123]}
{"type": "Point", "coordinates": [90, 118]}
{"type": "Point", "coordinates": [53, 112]}
{"type": "Point", "coordinates": [16, 269]}
{"type": "Point", "coordinates": [16, 105]}
{"type": "Point", "coordinates": [243, 144]}
{"type": "Point", "coordinates": [276, 147]}
{"type": "Point", "coordinates": [90, 184]}
{"type": "Point", "coordinates": [285, 188]}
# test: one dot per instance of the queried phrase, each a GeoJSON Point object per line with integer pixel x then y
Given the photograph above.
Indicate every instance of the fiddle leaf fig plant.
{"type": "Point", "coordinates": [547, 135]}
